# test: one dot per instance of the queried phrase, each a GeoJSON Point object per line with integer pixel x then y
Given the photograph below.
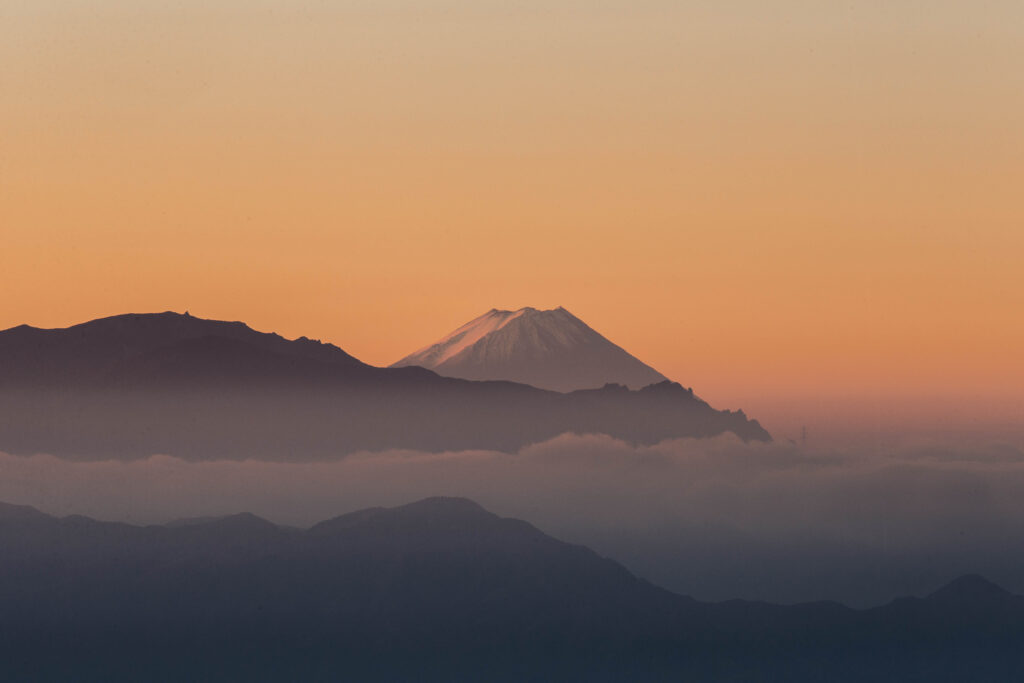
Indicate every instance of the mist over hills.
{"type": "Point", "coordinates": [439, 589]}
{"type": "Point", "coordinates": [548, 349]}
{"type": "Point", "coordinates": [138, 384]}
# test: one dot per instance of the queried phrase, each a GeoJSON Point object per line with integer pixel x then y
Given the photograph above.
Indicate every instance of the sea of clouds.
{"type": "Point", "coordinates": [713, 518]}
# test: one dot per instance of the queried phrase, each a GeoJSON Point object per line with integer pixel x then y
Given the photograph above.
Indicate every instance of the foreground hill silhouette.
{"type": "Point", "coordinates": [138, 384]}
{"type": "Point", "coordinates": [547, 349]}
{"type": "Point", "coordinates": [437, 590]}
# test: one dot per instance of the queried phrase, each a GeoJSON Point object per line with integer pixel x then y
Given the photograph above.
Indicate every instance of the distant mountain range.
{"type": "Point", "coordinates": [437, 590]}
{"type": "Point", "coordinates": [548, 349]}
{"type": "Point", "coordinates": [133, 385]}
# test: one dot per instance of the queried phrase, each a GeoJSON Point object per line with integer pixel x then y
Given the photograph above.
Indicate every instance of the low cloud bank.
{"type": "Point", "coordinates": [713, 518]}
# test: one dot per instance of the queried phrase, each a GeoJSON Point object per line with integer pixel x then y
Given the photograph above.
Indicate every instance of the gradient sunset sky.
{"type": "Point", "coordinates": [764, 200]}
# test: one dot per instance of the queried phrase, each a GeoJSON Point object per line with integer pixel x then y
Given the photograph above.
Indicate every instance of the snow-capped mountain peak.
{"type": "Point", "coordinates": [464, 337]}
{"type": "Point", "coordinates": [551, 349]}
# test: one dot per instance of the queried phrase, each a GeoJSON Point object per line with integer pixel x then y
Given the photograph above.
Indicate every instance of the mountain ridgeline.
{"type": "Point", "coordinates": [548, 349]}
{"type": "Point", "coordinates": [133, 385]}
{"type": "Point", "coordinates": [437, 590]}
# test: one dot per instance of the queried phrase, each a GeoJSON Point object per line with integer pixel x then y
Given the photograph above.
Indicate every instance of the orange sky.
{"type": "Point", "coordinates": [760, 199]}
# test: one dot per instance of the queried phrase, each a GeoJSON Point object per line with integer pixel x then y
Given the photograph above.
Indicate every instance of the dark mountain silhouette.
{"type": "Point", "coordinates": [104, 350]}
{"type": "Point", "coordinates": [437, 590]}
{"type": "Point", "coordinates": [970, 590]}
{"type": "Point", "coordinates": [134, 385]}
{"type": "Point", "coordinates": [548, 349]}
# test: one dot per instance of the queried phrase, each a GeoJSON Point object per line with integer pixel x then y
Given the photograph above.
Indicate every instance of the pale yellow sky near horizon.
{"type": "Point", "coordinates": [760, 199]}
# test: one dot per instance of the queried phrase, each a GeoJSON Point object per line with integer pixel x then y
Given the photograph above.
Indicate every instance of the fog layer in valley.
{"type": "Point", "coordinates": [715, 518]}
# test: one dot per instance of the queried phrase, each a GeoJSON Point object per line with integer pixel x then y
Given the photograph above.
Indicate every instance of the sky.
{"type": "Point", "coordinates": [781, 204]}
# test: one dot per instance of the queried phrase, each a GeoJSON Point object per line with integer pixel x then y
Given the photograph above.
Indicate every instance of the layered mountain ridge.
{"type": "Point", "coordinates": [134, 385]}
{"type": "Point", "coordinates": [439, 589]}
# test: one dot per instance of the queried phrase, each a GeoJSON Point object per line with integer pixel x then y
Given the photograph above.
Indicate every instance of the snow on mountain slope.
{"type": "Point", "coordinates": [462, 338]}
{"type": "Point", "coordinates": [549, 349]}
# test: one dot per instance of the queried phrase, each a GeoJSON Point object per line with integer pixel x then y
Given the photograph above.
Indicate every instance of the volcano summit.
{"type": "Point", "coordinates": [552, 350]}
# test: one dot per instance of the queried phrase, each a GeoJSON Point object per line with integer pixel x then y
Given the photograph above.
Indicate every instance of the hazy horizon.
{"type": "Point", "coordinates": [833, 417]}
{"type": "Point", "coordinates": [848, 524]}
